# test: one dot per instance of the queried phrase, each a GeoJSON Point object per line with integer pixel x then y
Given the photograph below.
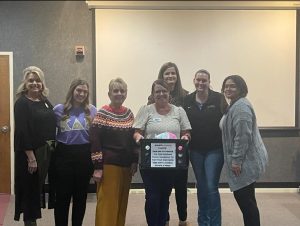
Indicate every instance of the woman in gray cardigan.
{"type": "Point", "coordinates": [244, 152]}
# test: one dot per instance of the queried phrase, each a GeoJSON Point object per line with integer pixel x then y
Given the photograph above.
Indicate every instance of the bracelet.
{"type": "Point", "coordinates": [33, 160]}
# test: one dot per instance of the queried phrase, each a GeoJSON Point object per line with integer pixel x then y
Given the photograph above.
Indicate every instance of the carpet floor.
{"type": "Point", "coordinates": [276, 209]}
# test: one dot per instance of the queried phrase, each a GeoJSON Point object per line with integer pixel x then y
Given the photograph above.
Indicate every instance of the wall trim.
{"type": "Point", "coordinates": [193, 5]}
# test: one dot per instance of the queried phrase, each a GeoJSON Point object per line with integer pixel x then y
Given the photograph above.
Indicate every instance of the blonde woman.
{"type": "Point", "coordinates": [114, 156]}
{"type": "Point", "coordinates": [34, 132]}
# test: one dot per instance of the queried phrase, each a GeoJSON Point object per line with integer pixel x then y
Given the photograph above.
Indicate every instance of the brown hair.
{"type": "Point", "coordinates": [178, 91]}
{"type": "Point", "coordinates": [240, 83]}
{"type": "Point", "coordinates": [69, 100]}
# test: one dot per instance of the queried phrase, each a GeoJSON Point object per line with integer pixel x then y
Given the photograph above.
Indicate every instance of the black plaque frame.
{"type": "Point", "coordinates": [181, 159]}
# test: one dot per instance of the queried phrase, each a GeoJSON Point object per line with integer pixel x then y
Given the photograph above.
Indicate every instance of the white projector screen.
{"type": "Point", "coordinates": [259, 45]}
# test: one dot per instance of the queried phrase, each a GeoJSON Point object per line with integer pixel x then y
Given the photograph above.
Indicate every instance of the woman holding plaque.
{"type": "Point", "coordinates": [203, 107]}
{"type": "Point", "coordinates": [170, 74]}
{"type": "Point", "coordinates": [151, 122]}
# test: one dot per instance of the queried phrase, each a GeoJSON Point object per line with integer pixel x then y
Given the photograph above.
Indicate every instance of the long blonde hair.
{"type": "Point", "coordinates": [69, 100]}
{"type": "Point", "coordinates": [28, 71]}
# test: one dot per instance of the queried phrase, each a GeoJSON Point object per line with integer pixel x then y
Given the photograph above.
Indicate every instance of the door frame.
{"type": "Point", "coordinates": [12, 124]}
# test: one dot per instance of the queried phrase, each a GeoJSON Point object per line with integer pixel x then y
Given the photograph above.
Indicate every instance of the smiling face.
{"type": "Point", "coordinates": [34, 85]}
{"type": "Point", "coordinates": [170, 76]}
{"type": "Point", "coordinates": [201, 82]}
{"type": "Point", "coordinates": [80, 94]}
{"type": "Point", "coordinates": [231, 90]}
{"type": "Point", "coordinates": [161, 94]}
{"type": "Point", "coordinates": [117, 95]}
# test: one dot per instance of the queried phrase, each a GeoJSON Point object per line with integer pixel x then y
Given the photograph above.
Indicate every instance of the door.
{"type": "Point", "coordinates": [5, 145]}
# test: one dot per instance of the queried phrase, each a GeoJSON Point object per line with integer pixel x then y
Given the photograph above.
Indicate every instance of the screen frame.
{"type": "Point", "coordinates": [282, 131]}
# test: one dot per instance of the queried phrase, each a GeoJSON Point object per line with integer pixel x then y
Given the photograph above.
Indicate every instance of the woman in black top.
{"type": "Point", "coordinates": [34, 133]}
{"type": "Point", "coordinates": [203, 108]}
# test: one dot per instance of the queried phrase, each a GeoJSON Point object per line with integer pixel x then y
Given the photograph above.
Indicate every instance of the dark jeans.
{"type": "Point", "coordinates": [245, 197]}
{"type": "Point", "coordinates": [180, 187]}
{"type": "Point", "coordinates": [207, 167]}
{"type": "Point", "coordinates": [158, 186]}
{"type": "Point", "coordinates": [73, 170]}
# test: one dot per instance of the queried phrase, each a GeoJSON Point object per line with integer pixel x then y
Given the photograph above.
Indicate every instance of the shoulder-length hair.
{"type": "Point", "coordinates": [178, 91]}
{"type": "Point", "coordinates": [21, 90]}
{"type": "Point", "coordinates": [69, 100]}
{"type": "Point", "coordinates": [240, 84]}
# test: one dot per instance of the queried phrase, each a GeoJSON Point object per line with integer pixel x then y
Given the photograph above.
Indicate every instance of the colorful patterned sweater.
{"type": "Point", "coordinates": [111, 135]}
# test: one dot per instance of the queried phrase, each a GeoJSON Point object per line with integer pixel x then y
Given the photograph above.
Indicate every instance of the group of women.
{"type": "Point", "coordinates": [73, 142]}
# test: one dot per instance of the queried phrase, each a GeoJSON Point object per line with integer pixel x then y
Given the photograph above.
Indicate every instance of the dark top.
{"type": "Point", "coordinates": [35, 123]}
{"type": "Point", "coordinates": [111, 135]}
{"type": "Point", "coordinates": [206, 133]}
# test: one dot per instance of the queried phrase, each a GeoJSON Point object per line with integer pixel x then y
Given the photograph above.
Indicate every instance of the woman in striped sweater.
{"type": "Point", "coordinates": [114, 155]}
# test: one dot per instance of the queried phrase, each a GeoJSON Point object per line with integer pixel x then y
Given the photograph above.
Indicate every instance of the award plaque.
{"type": "Point", "coordinates": [164, 154]}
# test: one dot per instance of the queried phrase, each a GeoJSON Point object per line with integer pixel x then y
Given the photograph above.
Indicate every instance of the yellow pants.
{"type": "Point", "coordinates": [112, 196]}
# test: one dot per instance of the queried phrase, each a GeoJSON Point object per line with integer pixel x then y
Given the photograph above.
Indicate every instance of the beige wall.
{"type": "Point", "coordinates": [259, 45]}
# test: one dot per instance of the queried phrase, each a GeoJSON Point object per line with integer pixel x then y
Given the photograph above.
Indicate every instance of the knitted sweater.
{"type": "Point", "coordinates": [242, 144]}
{"type": "Point", "coordinates": [111, 135]}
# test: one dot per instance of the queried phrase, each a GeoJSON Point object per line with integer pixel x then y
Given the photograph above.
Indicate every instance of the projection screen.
{"type": "Point", "coordinates": [259, 45]}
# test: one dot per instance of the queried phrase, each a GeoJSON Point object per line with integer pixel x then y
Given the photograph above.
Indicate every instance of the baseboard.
{"type": "Point", "coordinates": [260, 187]}
{"type": "Point", "coordinates": [227, 190]}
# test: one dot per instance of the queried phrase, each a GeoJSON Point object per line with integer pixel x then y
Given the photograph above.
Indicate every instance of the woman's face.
{"type": "Point", "coordinates": [80, 94]}
{"type": "Point", "coordinates": [33, 84]}
{"type": "Point", "coordinates": [170, 76]}
{"type": "Point", "coordinates": [117, 95]}
{"type": "Point", "coordinates": [161, 94]}
{"type": "Point", "coordinates": [201, 82]}
{"type": "Point", "coordinates": [231, 90]}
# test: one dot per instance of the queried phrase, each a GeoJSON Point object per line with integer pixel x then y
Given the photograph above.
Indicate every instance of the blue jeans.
{"type": "Point", "coordinates": [207, 167]}
{"type": "Point", "coordinates": [158, 186]}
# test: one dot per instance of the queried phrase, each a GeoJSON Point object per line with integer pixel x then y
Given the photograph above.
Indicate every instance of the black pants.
{"type": "Point", "coordinates": [73, 170]}
{"type": "Point", "coordinates": [245, 197]}
{"type": "Point", "coordinates": [158, 186]}
{"type": "Point", "coordinates": [180, 187]}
